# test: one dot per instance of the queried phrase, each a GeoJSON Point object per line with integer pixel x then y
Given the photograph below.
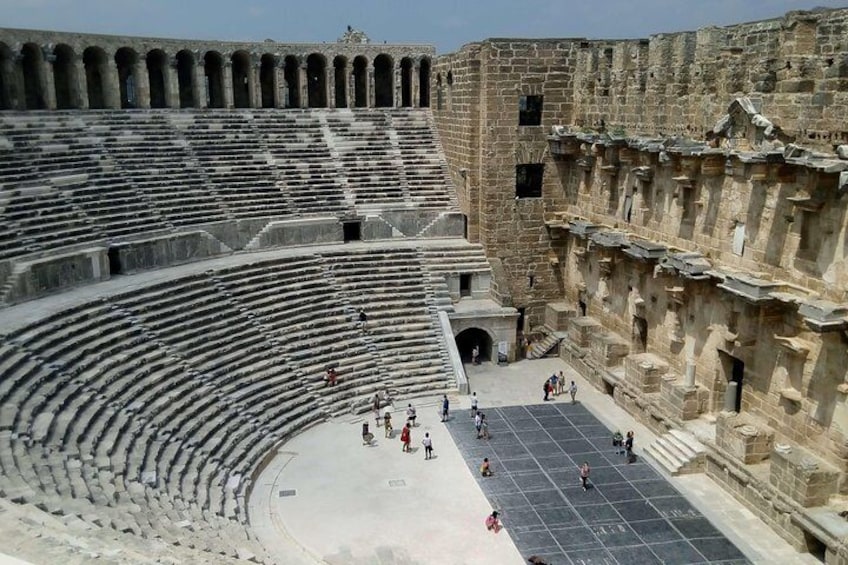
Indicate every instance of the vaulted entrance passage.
{"type": "Point", "coordinates": [466, 340]}
{"type": "Point", "coordinates": [94, 60]}
{"type": "Point", "coordinates": [126, 60]}
{"type": "Point", "coordinates": [185, 79]}
{"type": "Point", "coordinates": [340, 81]}
{"type": "Point", "coordinates": [360, 82]}
{"type": "Point", "coordinates": [316, 80]}
{"type": "Point", "coordinates": [424, 83]}
{"type": "Point", "coordinates": [65, 78]}
{"type": "Point", "coordinates": [213, 68]}
{"type": "Point", "coordinates": [267, 80]}
{"type": "Point", "coordinates": [156, 61]}
{"type": "Point", "coordinates": [291, 74]}
{"type": "Point", "coordinates": [241, 85]}
{"type": "Point", "coordinates": [32, 63]}
{"type": "Point", "coordinates": [406, 82]}
{"type": "Point", "coordinates": [383, 82]}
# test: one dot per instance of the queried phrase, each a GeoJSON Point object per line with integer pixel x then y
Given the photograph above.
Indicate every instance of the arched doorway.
{"type": "Point", "coordinates": [156, 61]}
{"type": "Point", "coordinates": [291, 74]}
{"type": "Point", "coordinates": [185, 79]}
{"type": "Point", "coordinates": [94, 59]}
{"type": "Point", "coordinates": [383, 81]}
{"type": "Point", "coordinates": [360, 82]}
{"type": "Point", "coordinates": [241, 79]}
{"type": "Point", "coordinates": [125, 60]}
{"type": "Point", "coordinates": [32, 65]}
{"type": "Point", "coordinates": [406, 82]}
{"type": "Point", "coordinates": [340, 81]}
{"type": "Point", "coordinates": [267, 79]}
{"type": "Point", "coordinates": [7, 78]}
{"type": "Point", "coordinates": [65, 78]}
{"type": "Point", "coordinates": [424, 83]}
{"type": "Point", "coordinates": [467, 339]}
{"type": "Point", "coordinates": [213, 68]}
{"type": "Point", "coordinates": [316, 80]}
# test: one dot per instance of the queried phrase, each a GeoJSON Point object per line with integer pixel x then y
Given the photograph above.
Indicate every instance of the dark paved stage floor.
{"type": "Point", "coordinates": [630, 515]}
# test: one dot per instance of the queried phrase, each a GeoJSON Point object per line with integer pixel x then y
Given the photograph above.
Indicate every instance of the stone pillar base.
{"type": "Point", "coordinates": [644, 372]}
{"type": "Point", "coordinates": [582, 329]}
{"type": "Point", "coordinates": [681, 401]}
{"type": "Point", "coordinates": [804, 477]}
{"type": "Point", "coordinates": [743, 438]}
{"type": "Point", "coordinates": [608, 349]}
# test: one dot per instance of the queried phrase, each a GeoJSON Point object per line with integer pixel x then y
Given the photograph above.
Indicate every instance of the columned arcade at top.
{"type": "Point", "coordinates": [54, 70]}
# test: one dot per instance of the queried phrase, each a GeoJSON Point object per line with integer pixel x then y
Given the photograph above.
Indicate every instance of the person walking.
{"type": "Point", "coordinates": [546, 388]}
{"type": "Point", "coordinates": [485, 468]}
{"type": "Point", "coordinates": [428, 446]}
{"type": "Point", "coordinates": [411, 415]}
{"type": "Point", "coordinates": [478, 423]}
{"type": "Point", "coordinates": [484, 427]}
{"type": "Point", "coordinates": [561, 382]}
{"type": "Point", "coordinates": [584, 475]}
{"type": "Point", "coordinates": [387, 422]}
{"type": "Point", "coordinates": [445, 407]}
{"type": "Point", "coordinates": [618, 442]}
{"type": "Point", "coordinates": [572, 390]}
{"type": "Point", "coordinates": [554, 380]}
{"type": "Point", "coordinates": [628, 446]}
{"type": "Point", "coordinates": [493, 524]}
{"type": "Point", "coordinates": [376, 407]}
{"type": "Point", "coordinates": [475, 355]}
{"type": "Point", "coordinates": [473, 404]}
{"type": "Point", "coordinates": [363, 319]}
{"type": "Point", "coordinates": [406, 438]}
{"type": "Point", "coordinates": [367, 436]}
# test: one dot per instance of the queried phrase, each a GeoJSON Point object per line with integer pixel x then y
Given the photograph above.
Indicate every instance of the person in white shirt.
{"type": "Point", "coordinates": [410, 415]}
{"type": "Point", "coordinates": [473, 404]}
{"type": "Point", "coordinates": [428, 446]}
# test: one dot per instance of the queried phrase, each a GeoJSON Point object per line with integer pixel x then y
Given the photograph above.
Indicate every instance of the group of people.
{"type": "Point", "coordinates": [406, 432]}
{"type": "Point", "coordinates": [555, 385]}
{"type": "Point", "coordinates": [624, 444]}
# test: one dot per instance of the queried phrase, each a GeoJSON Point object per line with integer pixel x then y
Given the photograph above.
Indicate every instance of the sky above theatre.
{"type": "Point", "coordinates": [447, 24]}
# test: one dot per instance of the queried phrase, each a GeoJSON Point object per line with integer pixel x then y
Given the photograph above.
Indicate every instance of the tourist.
{"type": "Point", "coordinates": [367, 436]}
{"type": "Point", "coordinates": [445, 407]}
{"type": "Point", "coordinates": [478, 423]}
{"type": "Point", "coordinates": [493, 524]}
{"type": "Point", "coordinates": [330, 377]}
{"type": "Point", "coordinates": [484, 427]}
{"type": "Point", "coordinates": [584, 475]}
{"type": "Point", "coordinates": [485, 468]}
{"type": "Point", "coordinates": [376, 408]}
{"type": "Point", "coordinates": [475, 355]}
{"type": "Point", "coordinates": [410, 415]}
{"type": "Point", "coordinates": [406, 438]}
{"type": "Point", "coordinates": [387, 422]}
{"type": "Point", "coordinates": [554, 384]}
{"type": "Point", "coordinates": [473, 404]}
{"type": "Point", "coordinates": [428, 446]}
{"type": "Point", "coordinates": [618, 442]}
{"type": "Point", "coordinates": [561, 382]}
{"type": "Point", "coordinates": [363, 319]}
{"type": "Point", "coordinates": [573, 391]}
{"type": "Point", "coordinates": [628, 447]}
{"type": "Point", "coordinates": [546, 388]}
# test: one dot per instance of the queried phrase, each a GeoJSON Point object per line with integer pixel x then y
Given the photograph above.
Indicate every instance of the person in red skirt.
{"type": "Point", "coordinates": [406, 437]}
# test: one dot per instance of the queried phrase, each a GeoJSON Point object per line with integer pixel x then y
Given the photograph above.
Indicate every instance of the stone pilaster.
{"type": "Point", "coordinates": [227, 69]}
{"type": "Point", "coordinates": [47, 79]}
{"type": "Point", "coordinates": [142, 83]}
{"type": "Point", "coordinates": [172, 83]}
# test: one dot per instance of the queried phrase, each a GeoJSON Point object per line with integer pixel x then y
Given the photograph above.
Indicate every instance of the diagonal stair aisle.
{"type": "Point", "coordinates": [678, 452]}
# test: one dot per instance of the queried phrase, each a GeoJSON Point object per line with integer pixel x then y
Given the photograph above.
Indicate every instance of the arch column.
{"type": "Point", "coordinates": [279, 84]}
{"type": "Point", "coordinates": [172, 83]}
{"type": "Point", "coordinates": [142, 82]}
{"type": "Point", "coordinates": [303, 84]}
{"type": "Point", "coordinates": [47, 78]}
{"type": "Point", "coordinates": [227, 69]}
{"type": "Point", "coordinates": [199, 86]}
{"type": "Point", "coordinates": [397, 97]}
{"type": "Point", "coordinates": [415, 91]}
{"type": "Point", "coordinates": [254, 95]}
{"type": "Point", "coordinates": [331, 80]}
{"type": "Point", "coordinates": [80, 94]}
{"type": "Point", "coordinates": [111, 88]}
{"type": "Point", "coordinates": [372, 88]}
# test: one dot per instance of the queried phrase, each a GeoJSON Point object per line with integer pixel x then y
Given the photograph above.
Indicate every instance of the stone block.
{"type": "Point", "coordinates": [165, 251]}
{"type": "Point", "coordinates": [581, 330]}
{"type": "Point", "coordinates": [680, 400]}
{"type": "Point", "coordinates": [804, 477]}
{"type": "Point", "coordinates": [743, 437]}
{"type": "Point", "coordinates": [644, 372]}
{"type": "Point", "coordinates": [48, 275]}
{"type": "Point", "coordinates": [608, 349]}
{"type": "Point", "coordinates": [557, 315]}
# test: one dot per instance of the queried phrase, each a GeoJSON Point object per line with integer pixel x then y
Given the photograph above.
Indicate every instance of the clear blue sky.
{"type": "Point", "coordinates": [447, 24]}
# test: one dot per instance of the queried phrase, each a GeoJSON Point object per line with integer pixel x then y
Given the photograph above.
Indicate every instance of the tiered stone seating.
{"type": "Point", "coordinates": [368, 157]}
{"type": "Point", "coordinates": [397, 295]}
{"type": "Point", "coordinates": [149, 151]}
{"type": "Point", "coordinates": [450, 259]}
{"type": "Point", "coordinates": [424, 165]}
{"type": "Point", "coordinates": [303, 162]}
{"type": "Point", "coordinates": [236, 162]}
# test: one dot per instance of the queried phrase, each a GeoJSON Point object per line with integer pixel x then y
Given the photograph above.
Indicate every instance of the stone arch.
{"type": "Point", "coordinates": [186, 78]}
{"type": "Point", "coordinates": [316, 80]}
{"type": "Point", "coordinates": [7, 78]}
{"type": "Point", "coordinates": [424, 83]}
{"type": "Point", "coordinates": [340, 81]}
{"type": "Point", "coordinates": [291, 74]}
{"type": "Point", "coordinates": [268, 80]}
{"type": "Point", "coordinates": [360, 82]}
{"type": "Point", "coordinates": [126, 60]}
{"type": "Point", "coordinates": [241, 79]}
{"type": "Point", "coordinates": [32, 66]}
{"type": "Point", "coordinates": [469, 337]}
{"type": "Point", "coordinates": [383, 81]}
{"type": "Point", "coordinates": [406, 68]}
{"type": "Point", "coordinates": [95, 61]}
{"type": "Point", "coordinates": [65, 78]}
{"type": "Point", "coordinates": [213, 69]}
{"type": "Point", "coordinates": [157, 62]}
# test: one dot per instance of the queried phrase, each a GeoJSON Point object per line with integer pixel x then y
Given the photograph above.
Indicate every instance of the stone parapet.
{"type": "Point", "coordinates": [743, 437]}
{"type": "Point", "coordinates": [644, 372]}
{"type": "Point", "coordinates": [608, 349]}
{"type": "Point", "coordinates": [807, 479]}
{"type": "Point", "coordinates": [681, 401]}
{"type": "Point", "coordinates": [582, 329]}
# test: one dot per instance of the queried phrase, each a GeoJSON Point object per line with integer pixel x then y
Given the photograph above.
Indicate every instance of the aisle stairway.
{"type": "Point", "coordinates": [677, 452]}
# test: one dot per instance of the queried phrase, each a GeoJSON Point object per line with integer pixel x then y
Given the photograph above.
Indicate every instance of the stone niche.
{"type": "Point", "coordinates": [557, 315]}
{"type": "Point", "coordinates": [743, 437]}
{"type": "Point", "coordinates": [644, 372]}
{"type": "Point", "coordinates": [797, 473]}
{"type": "Point", "coordinates": [681, 400]}
{"type": "Point", "coordinates": [608, 349]}
{"type": "Point", "coordinates": [581, 330]}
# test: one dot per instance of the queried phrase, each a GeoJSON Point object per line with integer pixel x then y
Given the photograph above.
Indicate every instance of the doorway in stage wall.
{"type": "Point", "coordinates": [467, 339]}
{"type": "Point", "coordinates": [734, 375]}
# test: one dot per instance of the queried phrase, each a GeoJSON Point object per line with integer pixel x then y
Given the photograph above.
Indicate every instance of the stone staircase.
{"type": "Point", "coordinates": [541, 348]}
{"type": "Point", "coordinates": [678, 452]}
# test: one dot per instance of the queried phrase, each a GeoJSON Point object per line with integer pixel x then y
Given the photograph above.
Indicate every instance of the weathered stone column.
{"type": "Point", "coordinates": [79, 94]}
{"type": "Point", "coordinates": [279, 85]}
{"type": "Point", "coordinates": [331, 86]}
{"type": "Point", "coordinates": [303, 82]}
{"type": "Point", "coordinates": [142, 83]}
{"type": "Point", "coordinates": [201, 97]}
{"type": "Point", "coordinates": [372, 88]}
{"type": "Point", "coordinates": [253, 81]}
{"type": "Point", "coordinates": [397, 100]}
{"type": "Point", "coordinates": [730, 396]}
{"type": "Point", "coordinates": [689, 377]}
{"type": "Point", "coordinates": [111, 88]}
{"type": "Point", "coordinates": [47, 79]}
{"type": "Point", "coordinates": [415, 91]}
{"type": "Point", "coordinates": [172, 83]}
{"type": "Point", "coordinates": [227, 69]}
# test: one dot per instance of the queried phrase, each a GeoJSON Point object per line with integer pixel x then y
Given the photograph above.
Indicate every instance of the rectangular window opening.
{"type": "Point", "coordinates": [464, 285]}
{"type": "Point", "coordinates": [530, 110]}
{"type": "Point", "coordinates": [352, 231]}
{"type": "Point", "coordinates": [528, 180]}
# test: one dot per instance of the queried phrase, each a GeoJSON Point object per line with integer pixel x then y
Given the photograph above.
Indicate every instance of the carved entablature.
{"type": "Point", "coordinates": [609, 239]}
{"type": "Point", "coordinates": [644, 174]}
{"type": "Point", "coordinates": [750, 289]}
{"type": "Point", "coordinates": [645, 250]}
{"type": "Point", "coordinates": [824, 316]}
{"type": "Point", "coordinates": [692, 266]}
{"type": "Point", "coordinates": [563, 143]}
{"type": "Point", "coordinates": [743, 128]}
{"type": "Point", "coordinates": [583, 228]}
